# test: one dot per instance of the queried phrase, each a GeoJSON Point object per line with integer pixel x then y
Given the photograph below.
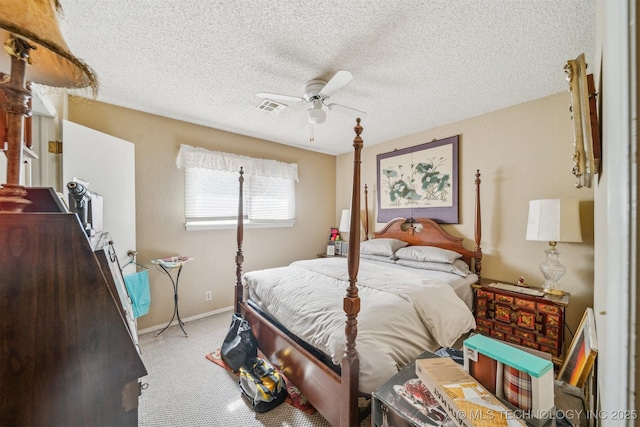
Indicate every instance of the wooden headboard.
{"type": "Point", "coordinates": [432, 234]}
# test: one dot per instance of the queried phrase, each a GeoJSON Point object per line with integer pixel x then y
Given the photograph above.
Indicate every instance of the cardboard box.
{"type": "Point", "coordinates": [404, 401]}
{"type": "Point", "coordinates": [523, 381]}
{"type": "Point", "coordinates": [466, 401]}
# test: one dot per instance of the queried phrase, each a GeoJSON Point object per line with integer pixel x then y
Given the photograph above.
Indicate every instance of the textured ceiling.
{"type": "Point", "coordinates": [415, 64]}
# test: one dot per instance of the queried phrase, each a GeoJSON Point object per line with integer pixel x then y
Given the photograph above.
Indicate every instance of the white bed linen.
{"type": "Point", "coordinates": [460, 285]}
{"type": "Point", "coordinates": [403, 312]}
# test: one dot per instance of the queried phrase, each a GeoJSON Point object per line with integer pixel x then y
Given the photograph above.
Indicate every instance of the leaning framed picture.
{"type": "Point", "coordinates": [419, 181]}
{"type": "Point", "coordinates": [582, 352]}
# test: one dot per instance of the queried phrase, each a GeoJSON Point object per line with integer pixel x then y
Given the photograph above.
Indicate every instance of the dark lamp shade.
{"type": "Point", "coordinates": [51, 62]}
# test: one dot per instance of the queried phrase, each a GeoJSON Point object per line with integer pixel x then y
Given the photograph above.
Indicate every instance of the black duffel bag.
{"type": "Point", "coordinates": [239, 345]}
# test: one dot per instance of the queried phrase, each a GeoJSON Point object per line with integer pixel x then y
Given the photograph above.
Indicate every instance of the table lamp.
{"type": "Point", "coordinates": [553, 220]}
{"type": "Point", "coordinates": [344, 228]}
{"type": "Point", "coordinates": [34, 51]}
{"type": "Point", "coordinates": [345, 221]}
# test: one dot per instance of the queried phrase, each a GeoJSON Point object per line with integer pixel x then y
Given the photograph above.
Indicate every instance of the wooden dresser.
{"type": "Point", "coordinates": [535, 322]}
{"type": "Point", "coordinates": [68, 354]}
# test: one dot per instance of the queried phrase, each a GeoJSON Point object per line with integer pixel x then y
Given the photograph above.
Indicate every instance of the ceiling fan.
{"type": "Point", "coordinates": [316, 92]}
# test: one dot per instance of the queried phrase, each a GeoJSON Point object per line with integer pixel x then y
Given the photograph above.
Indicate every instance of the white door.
{"type": "Point", "coordinates": [108, 165]}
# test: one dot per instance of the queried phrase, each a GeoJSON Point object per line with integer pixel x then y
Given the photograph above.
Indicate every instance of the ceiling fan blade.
{"type": "Point", "coordinates": [347, 111]}
{"type": "Point", "coordinates": [339, 79]}
{"type": "Point", "coordinates": [275, 96]}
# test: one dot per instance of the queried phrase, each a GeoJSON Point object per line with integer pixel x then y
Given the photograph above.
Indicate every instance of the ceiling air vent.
{"type": "Point", "coordinates": [270, 106]}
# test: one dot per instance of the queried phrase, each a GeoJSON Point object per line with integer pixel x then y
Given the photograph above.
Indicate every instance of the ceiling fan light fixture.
{"type": "Point", "coordinates": [317, 116]}
{"type": "Point", "coordinates": [316, 92]}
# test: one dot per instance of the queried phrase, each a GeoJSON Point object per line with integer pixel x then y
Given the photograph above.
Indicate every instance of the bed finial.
{"type": "Point", "coordinates": [358, 129]}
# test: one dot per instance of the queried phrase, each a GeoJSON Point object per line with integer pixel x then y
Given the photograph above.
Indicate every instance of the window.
{"type": "Point", "coordinates": [211, 189]}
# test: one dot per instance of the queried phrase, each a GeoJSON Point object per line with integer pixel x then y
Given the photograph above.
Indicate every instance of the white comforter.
{"type": "Point", "coordinates": [403, 313]}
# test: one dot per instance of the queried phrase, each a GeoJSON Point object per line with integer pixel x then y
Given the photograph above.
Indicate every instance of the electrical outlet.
{"type": "Point", "coordinates": [207, 295]}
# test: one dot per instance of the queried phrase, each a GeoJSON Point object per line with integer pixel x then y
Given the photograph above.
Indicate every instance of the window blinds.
{"type": "Point", "coordinates": [211, 188]}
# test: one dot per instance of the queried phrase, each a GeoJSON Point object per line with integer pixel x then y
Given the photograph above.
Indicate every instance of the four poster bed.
{"type": "Point", "coordinates": [416, 296]}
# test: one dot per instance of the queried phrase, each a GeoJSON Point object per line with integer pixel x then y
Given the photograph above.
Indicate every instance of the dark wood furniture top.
{"type": "Point", "coordinates": [334, 395]}
{"type": "Point", "coordinates": [535, 322]}
{"type": "Point", "coordinates": [67, 354]}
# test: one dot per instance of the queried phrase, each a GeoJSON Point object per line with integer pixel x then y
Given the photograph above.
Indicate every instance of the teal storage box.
{"type": "Point", "coordinates": [521, 379]}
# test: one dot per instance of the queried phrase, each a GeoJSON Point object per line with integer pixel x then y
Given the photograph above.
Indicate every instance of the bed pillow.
{"type": "Point", "coordinates": [383, 246]}
{"type": "Point", "coordinates": [382, 258]}
{"type": "Point", "coordinates": [427, 254]}
{"type": "Point", "coordinates": [458, 267]}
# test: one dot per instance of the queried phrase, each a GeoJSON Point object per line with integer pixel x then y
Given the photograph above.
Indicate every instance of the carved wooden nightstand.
{"type": "Point", "coordinates": [530, 319]}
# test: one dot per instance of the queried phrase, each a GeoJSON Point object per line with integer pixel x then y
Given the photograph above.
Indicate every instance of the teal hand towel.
{"type": "Point", "coordinates": [138, 288]}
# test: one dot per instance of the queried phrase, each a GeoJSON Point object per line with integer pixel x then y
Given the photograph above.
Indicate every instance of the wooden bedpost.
{"type": "Point", "coordinates": [239, 255]}
{"type": "Point", "coordinates": [366, 212]}
{"type": "Point", "coordinates": [478, 229]}
{"type": "Point", "coordinates": [350, 361]}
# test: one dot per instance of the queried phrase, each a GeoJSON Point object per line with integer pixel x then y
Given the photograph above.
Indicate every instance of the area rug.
{"type": "Point", "coordinates": [294, 397]}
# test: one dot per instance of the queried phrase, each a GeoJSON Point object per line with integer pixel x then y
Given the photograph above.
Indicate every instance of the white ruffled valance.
{"type": "Point", "coordinates": [196, 157]}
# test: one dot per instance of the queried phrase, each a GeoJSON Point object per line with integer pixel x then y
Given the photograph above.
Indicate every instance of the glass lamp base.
{"type": "Point", "coordinates": [552, 271]}
{"type": "Point", "coordinates": [553, 291]}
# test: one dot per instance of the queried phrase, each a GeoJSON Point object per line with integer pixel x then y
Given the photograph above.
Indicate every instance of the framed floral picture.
{"type": "Point", "coordinates": [419, 182]}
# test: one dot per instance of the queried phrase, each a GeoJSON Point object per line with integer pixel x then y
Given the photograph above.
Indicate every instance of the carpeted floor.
{"type": "Point", "coordinates": [186, 389]}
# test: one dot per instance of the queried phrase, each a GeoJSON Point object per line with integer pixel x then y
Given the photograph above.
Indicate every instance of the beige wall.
{"type": "Point", "coordinates": [160, 207]}
{"type": "Point", "coordinates": [523, 153]}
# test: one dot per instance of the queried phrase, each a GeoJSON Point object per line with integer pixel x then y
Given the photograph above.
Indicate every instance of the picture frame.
{"type": "Point", "coordinates": [344, 248]}
{"type": "Point", "coordinates": [331, 250]}
{"type": "Point", "coordinates": [338, 247]}
{"type": "Point", "coordinates": [419, 181]}
{"type": "Point", "coordinates": [587, 143]}
{"type": "Point", "coordinates": [582, 352]}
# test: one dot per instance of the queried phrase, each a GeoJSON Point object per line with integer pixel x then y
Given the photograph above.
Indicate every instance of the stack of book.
{"type": "Point", "coordinates": [466, 401]}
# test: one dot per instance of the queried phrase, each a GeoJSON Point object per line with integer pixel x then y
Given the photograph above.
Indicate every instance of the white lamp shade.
{"type": "Point", "coordinates": [345, 221]}
{"type": "Point", "coordinates": [554, 220]}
